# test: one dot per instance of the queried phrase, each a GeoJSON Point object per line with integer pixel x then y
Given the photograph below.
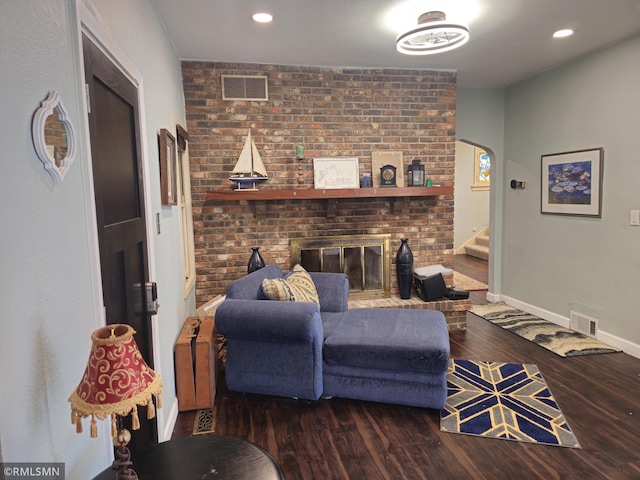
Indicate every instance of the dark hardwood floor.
{"type": "Point", "coordinates": [347, 439]}
{"type": "Point", "coordinates": [475, 268]}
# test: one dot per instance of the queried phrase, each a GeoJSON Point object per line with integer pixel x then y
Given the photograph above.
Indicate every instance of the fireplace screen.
{"type": "Point", "coordinates": [363, 258]}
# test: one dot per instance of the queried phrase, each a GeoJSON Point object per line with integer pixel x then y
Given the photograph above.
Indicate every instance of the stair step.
{"type": "Point", "coordinates": [478, 251]}
{"type": "Point", "coordinates": [482, 240]}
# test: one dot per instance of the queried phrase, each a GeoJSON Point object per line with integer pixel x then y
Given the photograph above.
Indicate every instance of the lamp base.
{"type": "Point", "coordinates": [122, 463]}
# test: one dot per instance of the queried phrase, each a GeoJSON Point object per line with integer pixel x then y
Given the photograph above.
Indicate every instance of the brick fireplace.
{"type": "Point", "coordinates": [330, 112]}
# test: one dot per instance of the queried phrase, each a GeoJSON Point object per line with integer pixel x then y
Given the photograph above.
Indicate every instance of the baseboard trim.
{"type": "Point", "coordinates": [626, 346]}
{"type": "Point", "coordinates": [493, 297]}
{"type": "Point", "coordinates": [170, 422]}
{"type": "Point", "coordinates": [537, 311]}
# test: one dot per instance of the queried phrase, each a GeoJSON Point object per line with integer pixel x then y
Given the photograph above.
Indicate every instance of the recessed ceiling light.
{"type": "Point", "coordinates": [567, 32]}
{"type": "Point", "coordinates": [262, 17]}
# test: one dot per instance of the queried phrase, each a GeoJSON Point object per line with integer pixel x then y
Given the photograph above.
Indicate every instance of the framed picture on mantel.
{"type": "Point", "coordinates": [572, 183]}
{"type": "Point", "coordinates": [336, 172]}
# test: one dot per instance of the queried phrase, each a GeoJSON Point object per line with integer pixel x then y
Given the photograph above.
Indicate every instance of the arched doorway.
{"type": "Point", "coordinates": [473, 210]}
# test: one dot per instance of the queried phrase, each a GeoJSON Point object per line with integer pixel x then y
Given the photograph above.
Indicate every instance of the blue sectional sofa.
{"type": "Point", "coordinates": [297, 349]}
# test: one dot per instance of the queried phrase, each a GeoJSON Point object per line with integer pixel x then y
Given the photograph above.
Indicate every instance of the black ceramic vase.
{"type": "Point", "coordinates": [404, 269]}
{"type": "Point", "coordinates": [255, 262]}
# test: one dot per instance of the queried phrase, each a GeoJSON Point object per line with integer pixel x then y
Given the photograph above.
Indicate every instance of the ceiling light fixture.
{"type": "Point", "coordinates": [262, 17]}
{"type": "Point", "coordinates": [432, 35]}
{"type": "Point", "coordinates": [567, 32]}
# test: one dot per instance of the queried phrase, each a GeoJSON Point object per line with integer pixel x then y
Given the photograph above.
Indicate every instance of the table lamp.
{"type": "Point", "coordinates": [116, 381]}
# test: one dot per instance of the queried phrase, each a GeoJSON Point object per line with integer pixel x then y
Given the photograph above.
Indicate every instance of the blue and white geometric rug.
{"type": "Point", "coordinates": [508, 401]}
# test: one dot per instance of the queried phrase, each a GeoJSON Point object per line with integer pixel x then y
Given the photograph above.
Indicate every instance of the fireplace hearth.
{"type": "Point", "coordinates": [365, 259]}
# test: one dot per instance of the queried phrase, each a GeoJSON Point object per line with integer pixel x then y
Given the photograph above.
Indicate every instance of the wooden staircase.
{"type": "Point", "coordinates": [478, 246]}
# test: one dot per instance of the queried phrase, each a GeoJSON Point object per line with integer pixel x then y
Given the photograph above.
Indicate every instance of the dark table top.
{"type": "Point", "coordinates": [202, 457]}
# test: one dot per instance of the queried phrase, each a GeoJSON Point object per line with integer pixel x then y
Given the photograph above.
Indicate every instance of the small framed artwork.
{"type": "Point", "coordinates": [572, 183]}
{"type": "Point", "coordinates": [481, 170]}
{"type": "Point", "coordinates": [168, 177]}
{"type": "Point", "coordinates": [336, 172]}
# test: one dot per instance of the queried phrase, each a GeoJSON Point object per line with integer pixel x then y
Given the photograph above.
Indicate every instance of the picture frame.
{"type": "Point", "coordinates": [336, 172]}
{"type": "Point", "coordinates": [481, 170]}
{"type": "Point", "coordinates": [168, 174]}
{"type": "Point", "coordinates": [571, 183]}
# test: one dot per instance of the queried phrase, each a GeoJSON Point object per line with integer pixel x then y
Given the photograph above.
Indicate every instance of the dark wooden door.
{"type": "Point", "coordinates": [119, 194]}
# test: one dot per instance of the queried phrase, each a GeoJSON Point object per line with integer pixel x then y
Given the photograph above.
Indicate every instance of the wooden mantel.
{"type": "Point", "coordinates": [392, 193]}
{"type": "Point", "coordinates": [319, 193]}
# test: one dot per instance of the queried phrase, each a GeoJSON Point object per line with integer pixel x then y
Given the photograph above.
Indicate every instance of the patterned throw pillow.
{"type": "Point", "coordinates": [295, 287]}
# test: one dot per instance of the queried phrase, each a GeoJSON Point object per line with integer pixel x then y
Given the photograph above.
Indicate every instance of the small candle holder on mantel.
{"type": "Point", "coordinates": [299, 157]}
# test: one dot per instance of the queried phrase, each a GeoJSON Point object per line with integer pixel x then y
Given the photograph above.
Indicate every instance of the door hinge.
{"type": "Point", "coordinates": [86, 91]}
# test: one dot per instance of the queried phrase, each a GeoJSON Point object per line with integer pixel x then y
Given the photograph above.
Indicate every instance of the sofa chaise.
{"type": "Point", "coordinates": [304, 350]}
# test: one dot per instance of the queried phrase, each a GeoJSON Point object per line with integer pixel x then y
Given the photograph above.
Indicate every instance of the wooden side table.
{"type": "Point", "coordinates": [202, 457]}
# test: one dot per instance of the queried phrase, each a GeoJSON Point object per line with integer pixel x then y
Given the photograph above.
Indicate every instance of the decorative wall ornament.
{"type": "Point", "coordinates": [53, 137]}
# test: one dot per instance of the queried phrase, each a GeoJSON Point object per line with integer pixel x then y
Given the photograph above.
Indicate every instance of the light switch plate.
{"type": "Point", "coordinates": [634, 217]}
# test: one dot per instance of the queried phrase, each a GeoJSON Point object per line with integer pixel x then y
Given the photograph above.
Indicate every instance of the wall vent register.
{"type": "Point", "coordinates": [245, 87]}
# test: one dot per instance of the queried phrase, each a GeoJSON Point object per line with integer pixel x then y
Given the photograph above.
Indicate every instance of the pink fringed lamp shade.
{"type": "Point", "coordinates": [116, 381]}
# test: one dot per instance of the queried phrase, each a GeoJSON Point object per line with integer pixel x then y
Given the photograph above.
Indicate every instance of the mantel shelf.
{"type": "Point", "coordinates": [317, 193]}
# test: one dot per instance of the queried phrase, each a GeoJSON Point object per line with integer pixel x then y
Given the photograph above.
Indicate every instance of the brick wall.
{"type": "Point", "coordinates": [331, 112]}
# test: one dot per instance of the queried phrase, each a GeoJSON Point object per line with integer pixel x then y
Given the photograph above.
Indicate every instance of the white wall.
{"type": "Point", "coordinates": [48, 280]}
{"type": "Point", "coordinates": [471, 209]}
{"type": "Point", "coordinates": [564, 263]}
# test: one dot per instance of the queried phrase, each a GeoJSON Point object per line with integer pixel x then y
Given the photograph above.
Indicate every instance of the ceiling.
{"type": "Point", "coordinates": [510, 39]}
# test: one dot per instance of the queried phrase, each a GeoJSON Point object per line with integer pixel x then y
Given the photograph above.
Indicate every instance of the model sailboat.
{"type": "Point", "coordinates": [249, 169]}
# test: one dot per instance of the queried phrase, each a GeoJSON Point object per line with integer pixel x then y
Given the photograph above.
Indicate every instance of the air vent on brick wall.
{"type": "Point", "coordinates": [583, 324]}
{"type": "Point", "coordinates": [244, 87]}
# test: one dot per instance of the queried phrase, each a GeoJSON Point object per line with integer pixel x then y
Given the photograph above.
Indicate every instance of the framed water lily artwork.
{"type": "Point", "coordinates": [572, 183]}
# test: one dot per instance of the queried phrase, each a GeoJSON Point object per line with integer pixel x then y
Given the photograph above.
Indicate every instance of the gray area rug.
{"type": "Point", "coordinates": [559, 340]}
{"type": "Point", "coordinates": [463, 282]}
